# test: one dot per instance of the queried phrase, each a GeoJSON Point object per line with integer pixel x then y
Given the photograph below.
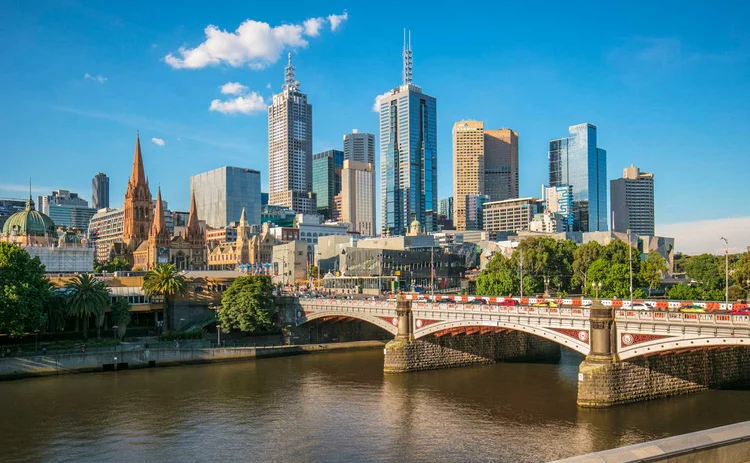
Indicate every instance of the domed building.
{"type": "Point", "coordinates": [29, 227]}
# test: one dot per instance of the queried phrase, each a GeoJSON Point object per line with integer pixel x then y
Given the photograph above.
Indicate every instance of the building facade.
{"type": "Point", "coordinates": [632, 202]}
{"type": "Point", "coordinates": [247, 249]}
{"type": "Point", "coordinates": [578, 162]}
{"type": "Point", "coordinates": [559, 200]}
{"type": "Point", "coordinates": [222, 194]}
{"type": "Point", "coordinates": [501, 164]}
{"type": "Point", "coordinates": [290, 134]}
{"type": "Point", "coordinates": [100, 191]}
{"type": "Point", "coordinates": [71, 217]}
{"type": "Point", "coordinates": [359, 147]}
{"type": "Point", "coordinates": [408, 155]}
{"type": "Point", "coordinates": [358, 197]}
{"type": "Point", "coordinates": [292, 261]}
{"type": "Point", "coordinates": [474, 207]}
{"type": "Point", "coordinates": [468, 166]}
{"type": "Point", "coordinates": [137, 209]}
{"type": "Point", "coordinates": [61, 198]}
{"type": "Point", "coordinates": [105, 232]}
{"type": "Point", "coordinates": [445, 207]}
{"type": "Point", "coordinates": [326, 179]}
{"type": "Point", "coordinates": [511, 215]}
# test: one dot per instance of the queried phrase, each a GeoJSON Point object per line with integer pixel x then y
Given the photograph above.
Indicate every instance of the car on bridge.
{"type": "Point", "coordinates": [507, 302]}
{"type": "Point", "coordinates": [549, 304]}
{"type": "Point", "coordinates": [692, 309]}
{"type": "Point", "coordinates": [641, 306]}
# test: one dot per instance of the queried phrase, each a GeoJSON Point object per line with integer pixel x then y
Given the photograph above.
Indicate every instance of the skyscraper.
{"type": "Point", "coordinates": [559, 200]}
{"type": "Point", "coordinates": [221, 195]}
{"type": "Point", "coordinates": [632, 202]}
{"type": "Point", "coordinates": [578, 162]}
{"type": "Point", "coordinates": [468, 166]}
{"type": "Point", "coordinates": [408, 155]}
{"type": "Point", "coordinates": [100, 191]}
{"type": "Point", "coordinates": [290, 147]}
{"type": "Point", "coordinates": [445, 207]}
{"type": "Point", "coordinates": [501, 164]}
{"type": "Point", "coordinates": [326, 179]}
{"type": "Point", "coordinates": [359, 147]}
{"type": "Point", "coordinates": [358, 197]}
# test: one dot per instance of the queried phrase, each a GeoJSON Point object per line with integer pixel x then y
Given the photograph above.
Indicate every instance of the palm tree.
{"type": "Point", "coordinates": [166, 281]}
{"type": "Point", "coordinates": [87, 297]}
{"type": "Point", "coordinates": [121, 315]}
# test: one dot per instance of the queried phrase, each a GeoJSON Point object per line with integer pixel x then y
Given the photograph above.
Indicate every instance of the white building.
{"type": "Point", "coordinates": [290, 147]}
{"type": "Point", "coordinates": [358, 197]}
{"type": "Point", "coordinates": [105, 231]}
{"type": "Point", "coordinates": [359, 147]}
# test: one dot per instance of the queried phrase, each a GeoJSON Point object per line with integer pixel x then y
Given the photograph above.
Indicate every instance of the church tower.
{"type": "Point", "coordinates": [137, 216]}
{"type": "Point", "coordinates": [159, 237]}
{"type": "Point", "coordinates": [193, 233]}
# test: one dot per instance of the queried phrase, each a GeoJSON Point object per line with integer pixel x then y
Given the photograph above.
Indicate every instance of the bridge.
{"type": "Point", "coordinates": [630, 355]}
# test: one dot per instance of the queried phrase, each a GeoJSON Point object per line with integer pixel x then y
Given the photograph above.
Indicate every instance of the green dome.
{"type": "Point", "coordinates": [70, 237]}
{"type": "Point", "coordinates": [29, 222]}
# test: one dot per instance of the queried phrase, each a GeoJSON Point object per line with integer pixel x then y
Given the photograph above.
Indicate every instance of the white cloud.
{"type": "Point", "coordinates": [233, 88]}
{"type": "Point", "coordinates": [98, 78]}
{"type": "Point", "coordinates": [704, 236]}
{"type": "Point", "coordinates": [246, 104]}
{"type": "Point", "coordinates": [254, 44]}
{"type": "Point", "coordinates": [157, 141]}
{"type": "Point", "coordinates": [313, 25]}
{"type": "Point", "coordinates": [268, 85]}
{"type": "Point", "coordinates": [336, 20]}
{"type": "Point", "coordinates": [376, 104]}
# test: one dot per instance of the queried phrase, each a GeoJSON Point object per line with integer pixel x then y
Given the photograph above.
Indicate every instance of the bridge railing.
{"type": "Point", "coordinates": [683, 318]}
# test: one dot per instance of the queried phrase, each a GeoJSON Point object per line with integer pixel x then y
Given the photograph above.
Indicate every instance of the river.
{"type": "Point", "coordinates": [333, 407]}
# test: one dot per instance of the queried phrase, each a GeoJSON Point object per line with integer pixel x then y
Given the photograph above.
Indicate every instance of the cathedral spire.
{"type": "Point", "coordinates": [160, 224]}
{"type": "Point", "coordinates": [138, 175]}
{"type": "Point", "coordinates": [192, 223]}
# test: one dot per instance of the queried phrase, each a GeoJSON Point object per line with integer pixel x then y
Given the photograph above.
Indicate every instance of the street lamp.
{"type": "Point", "coordinates": [726, 273]}
{"type": "Point", "coordinates": [218, 335]}
{"type": "Point", "coordinates": [114, 332]}
{"type": "Point", "coordinates": [596, 287]}
{"type": "Point", "coordinates": [36, 340]}
{"type": "Point", "coordinates": [182, 320]}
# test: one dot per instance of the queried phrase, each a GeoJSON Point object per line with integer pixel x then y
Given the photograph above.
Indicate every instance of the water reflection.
{"type": "Point", "coordinates": [333, 407]}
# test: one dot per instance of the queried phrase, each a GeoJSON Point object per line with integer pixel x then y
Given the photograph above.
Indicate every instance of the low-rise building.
{"type": "Point", "coordinates": [291, 261]}
{"type": "Point", "coordinates": [511, 215]}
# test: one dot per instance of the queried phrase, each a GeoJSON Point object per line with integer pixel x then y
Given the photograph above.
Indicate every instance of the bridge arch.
{"type": "Point", "coordinates": [673, 344]}
{"type": "Point", "coordinates": [377, 321]}
{"type": "Point", "coordinates": [564, 340]}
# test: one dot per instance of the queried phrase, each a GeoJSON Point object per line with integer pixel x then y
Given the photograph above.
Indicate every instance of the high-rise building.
{"type": "Point", "coordinates": [105, 231]}
{"type": "Point", "coordinates": [71, 216]}
{"type": "Point", "coordinates": [501, 164]}
{"type": "Point", "coordinates": [290, 147]}
{"type": "Point", "coordinates": [100, 191]}
{"type": "Point", "coordinates": [445, 208]}
{"type": "Point", "coordinates": [511, 215]}
{"type": "Point", "coordinates": [559, 200]}
{"type": "Point", "coordinates": [61, 198]}
{"type": "Point", "coordinates": [632, 202]}
{"type": "Point", "coordinates": [358, 197]}
{"type": "Point", "coordinates": [326, 179]}
{"type": "Point", "coordinates": [578, 162]}
{"type": "Point", "coordinates": [359, 147]}
{"type": "Point", "coordinates": [221, 195]}
{"type": "Point", "coordinates": [468, 166]}
{"type": "Point", "coordinates": [474, 211]}
{"type": "Point", "coordinates": [408, 155]}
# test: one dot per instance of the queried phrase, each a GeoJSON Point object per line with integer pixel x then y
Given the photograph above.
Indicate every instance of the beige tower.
{"type": "Point", "coordinates": [468, 166]}
{"type": "Point", "coordinates": [501, 164]}
{"type": "Point", "coordinates": [358, 197]}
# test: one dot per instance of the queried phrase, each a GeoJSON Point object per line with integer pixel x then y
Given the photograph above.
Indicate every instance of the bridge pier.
{"type": "Point", "coordinates": [405, 354]}
{"type": "Point", "coordinates": [604, 380]}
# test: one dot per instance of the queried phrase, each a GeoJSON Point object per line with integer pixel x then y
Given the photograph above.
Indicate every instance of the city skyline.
{"type": "Point", "coordinates": [647, 94]}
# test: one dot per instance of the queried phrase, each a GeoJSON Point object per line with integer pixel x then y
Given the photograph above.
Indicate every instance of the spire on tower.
{"type": "Point", "coordinates": [138, 175]}
{"type": "Point", "coordinates": [192, 223]}
{"type": "Point", "coordinates": [407, 59]}
{"type": "Point", "coordinates": [160, 224]}
{"type": "Point", "coordinates": [289, 82]}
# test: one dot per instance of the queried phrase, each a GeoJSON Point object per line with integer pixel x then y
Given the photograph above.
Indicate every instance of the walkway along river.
{"type": "Point", "coordinates": [333, 407]}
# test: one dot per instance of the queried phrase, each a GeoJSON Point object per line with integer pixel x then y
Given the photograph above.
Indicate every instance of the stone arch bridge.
{"type": "Point", "coordinates": [630, 355]}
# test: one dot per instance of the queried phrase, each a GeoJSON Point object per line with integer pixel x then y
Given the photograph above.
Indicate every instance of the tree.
{"type": "Point", "coordinates": [115, 265]}
{"type": "Point", "coordinates": [683, 292]}
{"type": "Point", "coordinates": [166, 281]}
{"type": "Point", "coordinates": [56, 310]}
{"type": "Point", "coordinates": [87, 297]}
{"type": "Point", "coordinates": [740, 272]}
{"type": "Point", "coordinates": [500, 278]}
{"type": "Point", "coordinates": [583, 257]}
{"type": "Point", "coordinates": [248, 305]}
{"type": "Point", "coordinates": [121, 315]}
{"type": "Point", "coordinates": [652, 270]}
{"type": "Point", "coordinates": [707, 271]}
{"type": "Point", "coordinates": [614, 278]}
{"type": "Point", "coordinates": [24, 291]}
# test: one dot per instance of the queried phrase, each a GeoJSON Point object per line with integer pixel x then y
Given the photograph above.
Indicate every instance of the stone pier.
{"type": "Point", "coordinates": [604, 380]}
{"type": "Point", "coordinates": [405, 353]}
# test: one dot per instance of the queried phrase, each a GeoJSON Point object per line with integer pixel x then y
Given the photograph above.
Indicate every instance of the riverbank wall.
{"type": "Point", "coordinates": [51, 364]}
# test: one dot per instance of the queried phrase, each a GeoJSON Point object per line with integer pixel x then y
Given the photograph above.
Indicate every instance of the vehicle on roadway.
{"type": "Point", "coordinates": [692, 309]}
{"type": "Point", "coordinates": [549, 304]}
{"type": "Point", "coordinates": [507, 302]}
{"type": "Point", "coordinates": [641, 306]}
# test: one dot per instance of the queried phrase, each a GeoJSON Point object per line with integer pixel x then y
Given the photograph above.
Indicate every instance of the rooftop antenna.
{"type": "Point", "coordinates": [407, 59]}
{"type": "Point", "coordinates": [289, 82]}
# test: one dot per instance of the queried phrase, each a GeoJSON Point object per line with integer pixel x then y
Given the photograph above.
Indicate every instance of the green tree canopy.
{"type": "Point", "coordinates": [121, 315]}
{"type": "Point", "coordinates": [248, 305]}
{"type": "Point", "coordinates": [652, 270]}
{"type": "Point", "coordinates": [683, 292]}
{"type": "Point", "coordinates": [707, 270]}
{"type": "Point", "coordinates": [24, 291]}
{"type": "Point", "coordinates": [166, 281]}
{"type": "Point", "coordinates": [87, 297]}
{"type": "Point", "coordinates": [583, 257]}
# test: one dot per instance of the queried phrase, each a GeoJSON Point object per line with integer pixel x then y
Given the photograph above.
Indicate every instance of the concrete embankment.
{"type": "Point", "coordinates": [51, 364]}
{"type": "Point", "coordinates": [726, 444]}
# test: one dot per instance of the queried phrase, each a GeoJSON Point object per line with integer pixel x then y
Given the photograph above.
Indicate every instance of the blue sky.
{"type": "Point", "coordinates": [666, 83]}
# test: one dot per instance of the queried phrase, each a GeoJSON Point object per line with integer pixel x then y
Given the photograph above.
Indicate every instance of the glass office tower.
{"type": "Point", "coordinates": [326, 179]}
{"type": "Point", "coordinates": [221, 195]}
{"type": "Point", "coordinates": [408, 156]}
{"type": "Point", "coordinates": [578, 162]}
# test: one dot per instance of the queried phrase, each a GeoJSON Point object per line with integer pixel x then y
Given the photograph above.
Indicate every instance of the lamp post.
{"type": "Point", "coordinates": [317, 283]}
{"type": "Point", "coordinates": [596, 287]}
{"type": "Point", "coordinates": [521, 273]}
{"type": "Point", "coordinates": [182, 323]}
{"type": "Point", "coordinates": [114, 332]}
{"type": "Point", "coordinates": [630, 258]}
{"type": "Point", "coordinates": [726, 273]}
{"type": "Point", "coordinates": [218, 335]}
{"type": "Point", "coordinates": [36, 340]}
